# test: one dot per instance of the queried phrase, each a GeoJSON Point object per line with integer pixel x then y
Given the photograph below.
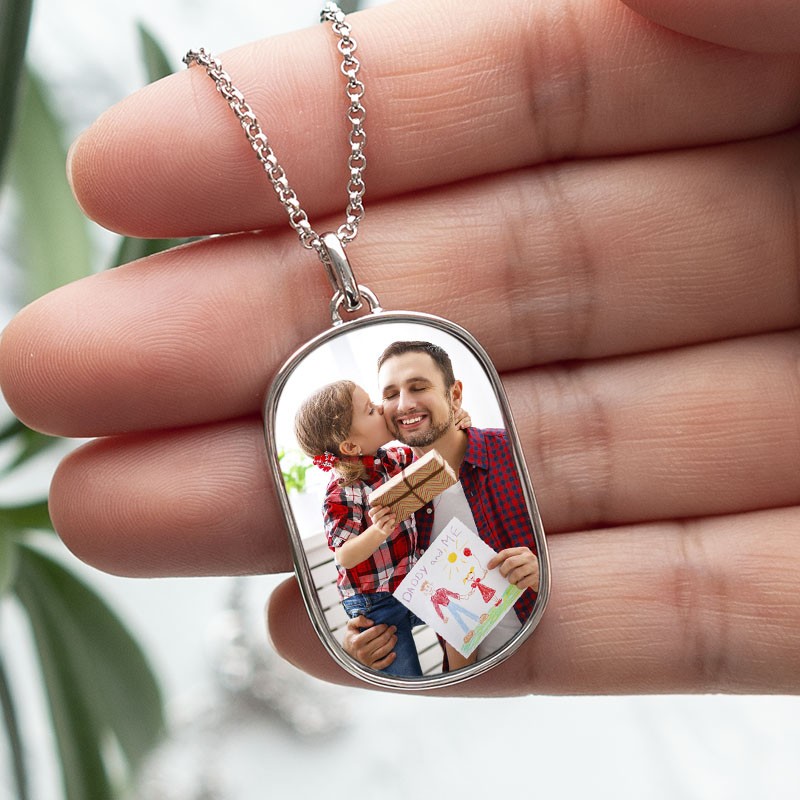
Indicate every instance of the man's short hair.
{"type": "Point", "coordinates": [439, 356]}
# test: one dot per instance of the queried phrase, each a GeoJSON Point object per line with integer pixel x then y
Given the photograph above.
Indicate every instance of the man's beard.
{"type": "Point", "coordinates": [425, 437]}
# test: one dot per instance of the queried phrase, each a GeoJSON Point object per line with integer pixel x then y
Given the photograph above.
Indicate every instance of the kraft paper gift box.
{"type": "Point", "coordinates": [416, 485]}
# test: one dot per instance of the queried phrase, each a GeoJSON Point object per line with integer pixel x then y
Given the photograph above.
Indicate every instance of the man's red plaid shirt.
{"type": "Point", "coordinates": [493, 489]}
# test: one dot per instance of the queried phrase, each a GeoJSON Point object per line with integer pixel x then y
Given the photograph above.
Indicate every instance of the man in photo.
{"type": "Point", "coordinates": [420, 399]}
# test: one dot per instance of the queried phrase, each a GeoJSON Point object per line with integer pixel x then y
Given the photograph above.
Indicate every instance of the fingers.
{"type": "Point", "coordinates": [703, 606]}
{"type": "Point", "coordinates": [381, 656]}
{"type": "Point", "coordinates": [373, 647]}
{"type": "Point", "coordinates": [518, 565]}
{"type": "Point", "coordinates": [552, 83]}
{"type": "Point", "coordinates": [687, 433]}
{"type": "Point", "coordinates": [767, 27]}
{"type": "Point", "coordinates": [462, 419]}
{"type": "Point", "coordinates": [286, 611]}
{"type": "Point", "coordinates": [586, 260]}
{"type": "Point", "coordinates": [355, 624]}
{"type": "Point", "coordinates": [383, 517]}
{"type": "Point", "coordinates": [374, 513]}
{"type": "Point", "coordinates": [193, 502]}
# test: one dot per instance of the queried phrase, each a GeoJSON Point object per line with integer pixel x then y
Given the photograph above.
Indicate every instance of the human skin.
{"type": "Point", "coordinates": [607, 204]}
{"type": "Point", "coordinates": [420, 411]}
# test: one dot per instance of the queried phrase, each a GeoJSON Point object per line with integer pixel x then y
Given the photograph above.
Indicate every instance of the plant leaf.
{"type": "Point", "coordinates": [8, 562]}
{"type": "Point", "coordinates": [15, 18]}
{"type": "Point", "coordinates": [12, 428]}
{"type": "Point", "coordinates": [131, 249]}
{"type": "Point", "coordinates": [349, 6]}
{"type": "Point", "coordinates": [77, 736]}
{"type": "Point", "coordinates": [54, 235]}
{"type": "Point", "coordinates": [11, 720]}
{"type": "Point", "coordinates": [13, 521]}
{"type": "Point", "coordinates": [32, 443]}
{"type": "Point", "coordinates": [98, 680]}
{"type": "Point", "coordinates": [155, 60]}
{"type": "Point", "coordinates": [31, 517]}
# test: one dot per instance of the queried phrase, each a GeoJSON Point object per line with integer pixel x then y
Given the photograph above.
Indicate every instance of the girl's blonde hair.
{"type": "Point", "coordinates": [323, 422]}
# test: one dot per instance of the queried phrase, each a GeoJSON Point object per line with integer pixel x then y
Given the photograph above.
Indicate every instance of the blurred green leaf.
{"type": "Point", "coordinates": [131, 249]}
{"type": "Point", "coordinates": [15, 520]}
{"type": "Point", "coordinates": [8, 561]}
{"type": "Point", "coordinates": [77, 737]}
{"type": "Point", "coordinates": [30, 517]}
{"type": "Point", "coordinates": [155, 60]}
{"type": "Point", "coordinates": [54, 235]}
{"type": "Point", "coordinates": [294, 468]}
{"type": "Point", "coordinates": [98, 680]}
{"type": "Point", "coordinates": [349, 6]}
{"type": "Point", "coordinates": [10, 429]}
{"type": "Point", "coordinates": [14, 737]}
{"type": "Point", "coordinates": [15, 17]}
{"type": "Point", "coordinates": [30, 444]}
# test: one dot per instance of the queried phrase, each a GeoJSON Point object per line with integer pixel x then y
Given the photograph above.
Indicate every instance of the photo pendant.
{"type": "Point", "coordinates": [429, 573]}
{"type": "Point", "coordinates": [416, 512]}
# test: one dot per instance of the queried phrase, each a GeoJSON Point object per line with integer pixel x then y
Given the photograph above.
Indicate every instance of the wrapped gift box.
{"type": "Point", "coordinates": [415, 486]}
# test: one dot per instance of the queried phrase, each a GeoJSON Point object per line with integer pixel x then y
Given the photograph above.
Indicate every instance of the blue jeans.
{"type": "Point", "coordinates": [383, 608]}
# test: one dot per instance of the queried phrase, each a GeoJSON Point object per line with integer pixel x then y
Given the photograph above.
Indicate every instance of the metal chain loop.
{"type": "Point", "coordinates": [356, 113]}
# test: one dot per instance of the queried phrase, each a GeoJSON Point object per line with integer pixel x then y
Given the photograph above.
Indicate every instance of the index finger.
{"type": "Point", "coordinates": [499, 558]}
{"type": "Point", "coordinates": [548, 82]}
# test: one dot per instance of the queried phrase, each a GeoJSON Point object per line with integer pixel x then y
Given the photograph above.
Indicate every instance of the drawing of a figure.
{"type": "Point", "coordinates": [442, 598]}
{"type": "Point", "coordinates": [487, 592]}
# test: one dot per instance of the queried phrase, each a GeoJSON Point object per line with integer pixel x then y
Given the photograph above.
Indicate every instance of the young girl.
{"type": "Point", "coordinates": [342, 429]}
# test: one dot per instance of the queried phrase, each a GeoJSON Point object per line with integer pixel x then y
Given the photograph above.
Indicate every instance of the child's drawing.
{"type": "Point", "coordinates": [451, 589]}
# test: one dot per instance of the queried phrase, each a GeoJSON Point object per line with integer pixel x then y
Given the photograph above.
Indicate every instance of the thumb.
{"type": "Point", "coordinates": [769, 26]}
{"type": "Point", "coordinates": [292, 636]}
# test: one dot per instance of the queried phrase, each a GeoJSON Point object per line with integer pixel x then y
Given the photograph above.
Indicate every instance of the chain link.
{"type": "Point", "coordinates": [356, 113]}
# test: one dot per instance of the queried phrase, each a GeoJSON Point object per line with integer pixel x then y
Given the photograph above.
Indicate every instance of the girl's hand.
{"type": "Point", "coordinates": [383, 518]}
{"type": "Point", "coordinates": [463, 419]}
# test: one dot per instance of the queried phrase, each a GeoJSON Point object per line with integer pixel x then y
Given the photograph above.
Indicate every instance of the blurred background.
{"type": "Point", "coordinates": [167, 688]}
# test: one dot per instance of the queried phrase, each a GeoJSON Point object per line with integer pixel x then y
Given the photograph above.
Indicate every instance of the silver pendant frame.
{"type": "Point", "coordinates": [379, 317]}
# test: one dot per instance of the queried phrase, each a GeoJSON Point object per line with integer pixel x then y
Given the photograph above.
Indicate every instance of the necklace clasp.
{"type": "Point", "coordinates": [347, 293]}
{"type": "Point", "coordinates": [340, 273]}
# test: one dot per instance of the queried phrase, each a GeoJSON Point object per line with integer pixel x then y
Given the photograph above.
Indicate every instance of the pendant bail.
{"type": "Point", "coordinates": [340, 273]}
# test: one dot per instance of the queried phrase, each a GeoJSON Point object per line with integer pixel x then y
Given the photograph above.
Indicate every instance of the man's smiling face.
{"type": "Point", "coordinates": [416, 406]}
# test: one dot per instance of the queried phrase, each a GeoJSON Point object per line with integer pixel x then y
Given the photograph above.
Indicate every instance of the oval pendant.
{"type": "Point", "coordinates": [458, 499]}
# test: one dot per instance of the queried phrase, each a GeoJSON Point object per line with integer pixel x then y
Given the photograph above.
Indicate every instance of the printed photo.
{"type": "Point", "coordinates": [393, 448]}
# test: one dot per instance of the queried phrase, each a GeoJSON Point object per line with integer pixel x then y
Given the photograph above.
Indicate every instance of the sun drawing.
{"type": "Point", "coordinates": [454, 564]}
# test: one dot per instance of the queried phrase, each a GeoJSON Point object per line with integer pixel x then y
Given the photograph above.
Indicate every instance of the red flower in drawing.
{"type": "Point", "coordinates": [467, 552]}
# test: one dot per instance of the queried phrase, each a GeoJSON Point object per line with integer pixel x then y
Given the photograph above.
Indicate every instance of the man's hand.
{"type": "Point", "coordinates": [372, 645]}
{"type": "Point", "coordinates": [518, 565]}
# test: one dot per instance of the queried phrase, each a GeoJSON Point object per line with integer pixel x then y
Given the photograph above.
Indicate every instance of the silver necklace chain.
{"type": "Point", "coordinates": [356, 162]}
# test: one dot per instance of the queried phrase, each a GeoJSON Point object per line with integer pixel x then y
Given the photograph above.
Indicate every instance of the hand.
{"type": "Point", "coordinates": [373, 647]}
{"type": "Point", "coordinates": [518, 565]}
{"type": "Point", "coordinates": [383, 518]}
{"type": "Point", "coordinates": [625, 195]}
{"type": "Point", "coordinates": [462, 419]}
